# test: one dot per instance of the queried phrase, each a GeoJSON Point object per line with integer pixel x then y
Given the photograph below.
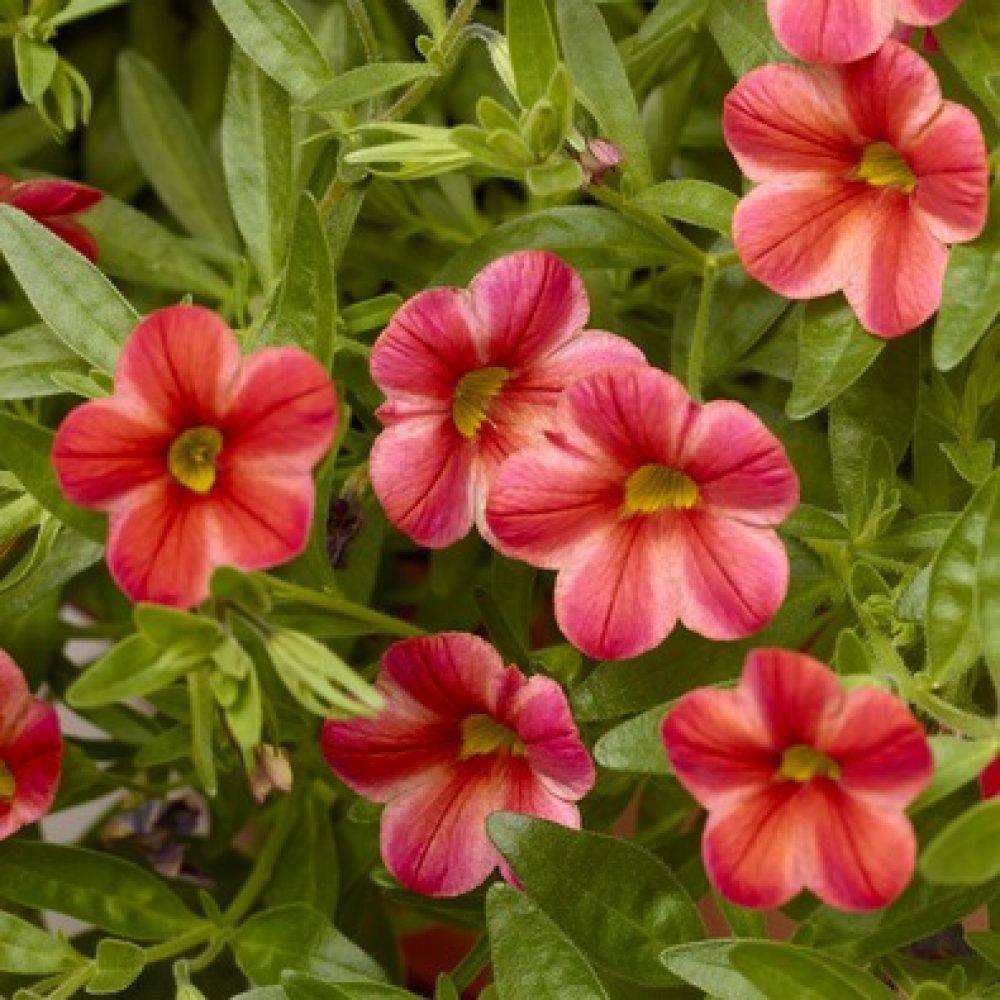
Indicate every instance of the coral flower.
{"type": "Point", "coordinates": [989, 780]}
{"type": "Point", "coordinates": [652, 508]}
{"type": "Point", "coordinates": [461, 736]}
{"type": "Point", "coordinates": [865, 175]}
{"type": "Point", "coordinates": [201, 459]}
{"type": "Point", "coordinates": [805, 785]}
{"type": "Point", "coordinates": [30, 752]}
{"type": "Point", "coordinates": [54, 204]}
{"type": "Point", "coordinates": [841, 31]}
{"type": "Point", "coordinates": [471, 376]}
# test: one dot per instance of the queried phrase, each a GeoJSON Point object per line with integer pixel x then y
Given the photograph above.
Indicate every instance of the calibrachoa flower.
{"type": "Point", "coordinates": [865, 175]}
{"type": "Point", "coordinates": [200, 458]}
{"type": "Point", "coordinates": [841, 31]}
{"type": "Point", "coordinates": [30, 752]}
{"type": "Point", "coordinates": [471, 376]}
{"type": "Point", "coordinates": [805, 785]}
{"type": "Point", "coordinates": [55, 204]}
{"type": "Point", "coordinates": [652, 508]}
{"type": "Point", "coordinates": [989, 780]}
{"type": "Point", "coordinates": [461, 736]}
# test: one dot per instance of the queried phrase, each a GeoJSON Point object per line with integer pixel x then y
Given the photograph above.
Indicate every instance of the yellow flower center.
{"type": "Point", "coordinates": [653, 488]}
{"type": "Point", "coordinates": [482, 734]}
{"type": "Point", "coordinates": [803, 763]}
{"type": "Point", "coordinates": [882, 166]}
{"type": "Point", "coordinates": [8, 784]}
{"type": "Point", "coordinates": [192, 456]}
{"type": "Point", "coordinates": [474, 393]}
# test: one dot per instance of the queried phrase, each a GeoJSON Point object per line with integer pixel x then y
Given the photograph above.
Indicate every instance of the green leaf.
{"type": "Point", "coordinates": [834, 352]}
{"type": "Point", "coordinates": [25, 950]}
{"type": "Point", "coordinates": [303, 987]}
{"type": "Point", "coordinates": [136, 666]}
{"type": "Point", "coordinates": [698, 202]}
{"type": "Point", "coordinates": [626, 906]}
{"type": "Point", "coordinates": [433, 14]}
{"type": "Point", "coordinates": [202, 702]}
{"type": "Point", "coordinates": [258, 159]}
{"type": "Point", "coordinates": [967, 850]}
{"type": "Point", "coordinates": [707, 966]}
{"type": "Point", "coordinates": [954, 633]}
{"type": "Point", "coordinates": [94, 887]}
{"type": "Point", "coordinates": [303, 313]}
{"type": "Point", "coordinates": [635, 745]}
{"type": "Point", "coordinates": [533, 52]}
{"type": "Point", "coordinates": [532, 958]}
{"type": "Point", "coordinates": [743, 34]}
{"type": "Point", "coordinates": [502, 635]}
{"type": "Point", "coordinates": [119, 964]}
{"type": "Point", "coordinates": [76, 301]}
{"type": "Point", "coordinates": [275, 38]}
{"type": "Point", "coordinates": [604, 88]}
{"type": "Point", "coordinates": [300, 939]}
{"type": "Point", "coordinates": [970, 38]}
{"type": "Point", "coordinates": [956, 763]}
{"type": "Point", "coordinates": [28, 360]}
{"type": "Point", "coordinates": [363, 82]}
{"type": "Point", "coordinates": [165, 141]}
{"type": "Point", "coordinates": [168, 627]}
{"type": "Point", "coordinates": [36, 65]}
{"type": "Point", "coordinates": [987, 944]}
{"type": "Point", "coordinates": [75, 10]}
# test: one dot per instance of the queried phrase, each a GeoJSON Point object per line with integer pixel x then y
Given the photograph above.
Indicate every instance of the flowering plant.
{"type": "Point", "coordinates": [498, 499]}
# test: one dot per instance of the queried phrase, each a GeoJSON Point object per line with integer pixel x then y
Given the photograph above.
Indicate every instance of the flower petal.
{"type": "Point", "coordinates": [789, 120]}
{"type": "Point", "coordinates": [592, 351]}
{"type": "Point", "coordinates": [617, 596]}
{"type": "Point", "coordinates": [35, 758]}
{"type": "Point", "coordinates": [732, 577]}
{"type": "Point", "coordinates": [284, 413]}
{"type": "Point", "coordinates": [182, 363]}
{"type": "Point", "coordinates": [831, 31]}
{"type": "Point", "coordinates": [864, 857]}
{"type": "Point", "coordinates": [54, 197]}
{"type": "Point", "coordinates": [79, 237]}
{"type": "Point", "coordinates": [159, 545]}
{"type": "Point", "coordinates": [883, 753]}
{"type": "Point", "coordinates": [989, 780]}
{"type": "Point", "coordinates": [802, 240]}
{"type": "Point", "coordinates": [718, 746]}
{"type": "Point", "coordinates": [528, 305]}
{"type": "Point", "coordinates": [422, 472]}
{"type": "Point", "coordinates": [949, 159]}
{"type": "Point", "coordinates": [925, 11]}
{"type": "Point", "coordinates": [897, 285]}
{"type": "Point", "coordinates": [429, 344]}
{"type": "Point", "coordinates": [105, 449]}
{"type": "Point", "coordinates": [15, 700]}
{"type": "Point", "coordinates": [740, 467]}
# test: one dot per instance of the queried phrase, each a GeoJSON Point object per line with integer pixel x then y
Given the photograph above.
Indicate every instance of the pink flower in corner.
{"type": "Point", "coordinates": [652, 508]}
{"type": "Point", "coordinates": [805, 785]}
{"type": "Point", "coordinates": [55, 204]}
{"type": "Point", "coordinates": [841, 31]}
{"type": "Point", "coordinates": [200, 458]}
{"type": "Point", "coordinates": [865, 175]}
{"type": "Point", "coordinates": [461, 736]}
{"type": "Point", "coordinates": [30, 752]}
{"type": "Point", "coordinates": [989, 780]}
{"type": "Point", "coordinates": [471, 376]}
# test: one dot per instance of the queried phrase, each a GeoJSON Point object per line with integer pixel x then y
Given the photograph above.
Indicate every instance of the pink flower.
{"type": "Point", "coordinates": [841, 31]}
{"type": "Point", "coordinates": [865, 175]}
{"type": "Point", "coordinates": [201, 459]}
{"type": "Point", "coordinates": [30, 752]}
{"type": "Point", "coordinates": [54, 204]}
{"type": "Point", "coordinates": [652, 508]}
{"type": "Point", "coordinates": [805, 786]}
{"type": "Point", "coordinates": [461, 736]}
{"type": "Point", "coordinates": [989, 780]}
{"type": "Point", "coordinates": [471, 377]}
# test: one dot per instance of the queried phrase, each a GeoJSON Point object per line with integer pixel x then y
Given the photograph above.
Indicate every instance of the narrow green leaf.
{"type": "Point", "coordinates": [626, 906]}
{"type": "Point", "coordinates": [970, 38]}
{"type": "Point", "coordinates": [94, 887]}
{"type": "Point", "coordinates": [165, 141]}
{"type": "Point", "coordinates": [503, 635]}
{"type": "Point", "coordinates": [956, 763]}
{"type": "Point", "coordinates": [708, 966]}
{"type": "Point", "coordinates": [532, 958]}
{"type": "Point", "coordinates": [275, 38]}
{"type": "Point", "coordinates": [636, 745]}
{"type": "Point", "coordinates": [743, 34]}
{"type": "Point", "coordinates": [304, 987]}
{"type": "Point", "coordinates": [597, 68]}
{"type": "Point", "coordinates": [36, 65]}
{"type": "Point", "coordinates": [75, 10]}
{"type": "Point", "coordinates": [28, 360]}
{"type": "Point", "coordinates": [202, 704]}
{"type": "Point", "coordinates": [25, 950]}
{"type": "Point", "coordinates": [363, 82]}
{"type": "Point", "coordinates": [967, 850]}
{"type": "Point", "coordinates": [533, 52]}
{"type": "Point", "coordinates": [697, 202]}
{"type": "Point", "coordinates": [987, 944]}
{"type": "Point", "coordinates": [257, 156]}
{"type": "Point", "coordinates": [76, 301]}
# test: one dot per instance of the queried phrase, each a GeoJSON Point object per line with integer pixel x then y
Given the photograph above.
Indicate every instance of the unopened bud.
{"type": "Point", "coordinates": [599, 157]}
{"type": "Point", "coordinates": [272, 773]}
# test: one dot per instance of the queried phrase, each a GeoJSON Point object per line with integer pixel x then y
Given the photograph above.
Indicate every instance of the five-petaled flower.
{"type": "Point", "coordinates": [989, 780]}
{"type": "Point", "coordinates": [652, 508]}
{"type": "Point", "coordinates": [30, 752]}
{"type": "Point", "coordinates": [841, 31]}
{"type": "Point", "coordinates": [200, 458]}
{"type": "Point", "coordinates": [461, 736]}
{"type": "Point", "coordinates": [865, 174]}
{"type": "Point", "coordinates": [55, 203]}
{"type": "Point", "coordinates": [472, 376]}
{"type": "Point", "coordinates": [805, 785]}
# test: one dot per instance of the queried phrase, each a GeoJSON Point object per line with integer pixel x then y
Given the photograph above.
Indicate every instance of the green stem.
{"type": "Point", "coordinates": [696, 353]}
{"type": "Point", "coordinates": [369, 39]}
{"type": "Point", "coordinates": [182, 943]}
{"type": "Point", "coordinates": [74, 983]}
{"type": "Point", "coordinates": [478, 957]}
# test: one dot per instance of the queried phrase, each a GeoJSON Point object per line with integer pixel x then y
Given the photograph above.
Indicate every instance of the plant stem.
{"type": "Point", "coordinates": [477, 958]}
{"type": "Point", "coordinates": [369, 39]}
{"type": "Point", "coordinates": [696, 352]}
{"type": "Point", "coordinates": [182, 943]}
{"type": "Point", "coordinates": [74, 983]}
